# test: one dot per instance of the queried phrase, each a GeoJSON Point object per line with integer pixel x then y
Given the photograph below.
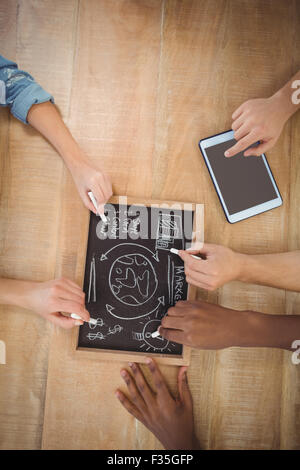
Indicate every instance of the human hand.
{"type": "Point", "coordinates": [89, 178]}
{"type": "Point", "coordinates": [50, 298]}
{"type": "Point", "coordinates": [221, 265]}
{"type": "Point", "coordinates": [208, 326]}
{"type": "Point", "coordinates": [260, 120]}
{"type": "Point", "coordinates": [169, 419]}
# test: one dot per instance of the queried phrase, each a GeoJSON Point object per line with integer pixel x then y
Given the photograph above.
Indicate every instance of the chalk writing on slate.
{"type": "Point", "coordinates": [131, 278]}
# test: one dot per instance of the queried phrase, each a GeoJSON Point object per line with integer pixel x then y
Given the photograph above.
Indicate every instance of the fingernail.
{"type": "Point", "coordinates": [123, 373]}
{"type": "Point", "coordinates": [226, 154]}
{"type": "Point", "coordinates": [148, 360]}
{"type": "Point", "coordinates": [117, 394]}
{"type": "Point", "coordinates": [130, 364]}
{"type": "Point", "coordinates": [78, 323]}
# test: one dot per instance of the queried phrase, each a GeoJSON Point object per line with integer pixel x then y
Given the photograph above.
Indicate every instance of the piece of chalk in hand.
{"type": "Point", "coordinates": [93, 199]}
{"type": "Point", "coordinates": [92, 321]}
{"type": "Point", "coordinates": [155, 334]}
{"type": "Point", "coordinates": [176, 252]}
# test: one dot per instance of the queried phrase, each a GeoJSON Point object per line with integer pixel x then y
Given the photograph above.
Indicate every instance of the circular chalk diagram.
{"type": "Point", "coordinates": [132, 279]}
{"type": "Point", "coordinates": [156, 343]}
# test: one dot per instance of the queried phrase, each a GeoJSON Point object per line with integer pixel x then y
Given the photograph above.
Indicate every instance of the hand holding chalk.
{"type": "Point", "coordinates": [49, 299]}
{"type": "Point", "coordinates": [93, 199]}
{"type": "Point", "coordinates": [215, 265]}
{"type": "Point", "coordinates": [89, 178]}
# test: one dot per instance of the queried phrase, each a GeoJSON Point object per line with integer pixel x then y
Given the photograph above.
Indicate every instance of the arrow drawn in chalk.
{"type": "Point", "coordinates": [110, 309]}
{"type": "Point", "coordinates": [154, 255]}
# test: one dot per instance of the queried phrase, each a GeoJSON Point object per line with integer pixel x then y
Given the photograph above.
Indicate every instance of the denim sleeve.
{"type": "Point", "coordinates": [19, 90]}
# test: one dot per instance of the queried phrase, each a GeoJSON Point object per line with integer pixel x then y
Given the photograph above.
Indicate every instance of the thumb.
{"type": "Point", "coordinates": [183, 387]}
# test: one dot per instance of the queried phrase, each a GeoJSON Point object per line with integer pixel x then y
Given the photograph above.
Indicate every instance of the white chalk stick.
{"type": "Point", "coordinates": [176, 252]}
{"type": "Point", "coordinates": [155, 334]}
{"type": "Point", "coordinates": [93, 199]}
{"type": "Point", "coordinates": [92, 321]}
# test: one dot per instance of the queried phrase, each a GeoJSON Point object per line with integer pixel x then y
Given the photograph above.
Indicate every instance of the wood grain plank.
{"type": "Point", "coordinates": [112, 116]}
{"type": "Point", "coordinates": [40, 38]}
{"type": "Point", "coordinates": [150, 78]}
{"type": "Point", "coordinates": [208, 49]}
{"type": "Point", "coordinates": [290, 403]}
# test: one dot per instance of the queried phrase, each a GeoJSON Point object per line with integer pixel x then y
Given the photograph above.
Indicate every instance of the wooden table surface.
{"type": "Point", "coordinates": [139, 82]}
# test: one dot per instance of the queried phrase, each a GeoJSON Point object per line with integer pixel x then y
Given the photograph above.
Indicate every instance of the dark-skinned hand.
{"type": "Point", "coordinates": [169, 419]}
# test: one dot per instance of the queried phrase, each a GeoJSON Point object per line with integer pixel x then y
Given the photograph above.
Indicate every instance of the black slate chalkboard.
{"type": "Point", "coordinates": [131, 277]}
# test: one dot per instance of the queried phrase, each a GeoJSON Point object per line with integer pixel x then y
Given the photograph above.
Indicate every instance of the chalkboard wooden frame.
{"type": "Point", "coordinates": [132, 356]}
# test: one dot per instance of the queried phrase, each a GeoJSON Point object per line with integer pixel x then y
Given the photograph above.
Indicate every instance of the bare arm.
{"type": "Point", "coordinates": [45, 118]}
{"type": "Point", "coordinates": [280, 270]}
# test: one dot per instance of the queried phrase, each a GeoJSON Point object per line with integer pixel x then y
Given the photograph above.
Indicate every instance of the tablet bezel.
{"type": "Point", "coordinates": [251, 211]}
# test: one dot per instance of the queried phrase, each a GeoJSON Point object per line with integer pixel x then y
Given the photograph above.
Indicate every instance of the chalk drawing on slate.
{"type": "Point", "coordinates": [100, 322]}
{"type": "Point", "coordinates": [132, 279]}
{"type": "Point", "coordinates": [124, 315]}
{"type": "Point", "coordinates": [169, 229]}
{"type": "Point", "coordinates": [92, 282]}
{"type": "Point", "coordinates": [131, 283]}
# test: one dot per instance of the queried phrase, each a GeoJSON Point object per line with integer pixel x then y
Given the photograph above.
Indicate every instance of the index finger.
{"type": "Point", "coordinates": [241, 145]}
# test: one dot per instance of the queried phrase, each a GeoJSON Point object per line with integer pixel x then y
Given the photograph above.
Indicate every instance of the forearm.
{"type": "Point", "coordinates": [46, 119]}
{"type": "Point", "coordinates": [14, 292]}
{"type": "Point", "coordinates": [271, 331]}
{"type": "Point", "coordinates": [280, 270]}
{"type": "Point", "coordinates": [289, 96]}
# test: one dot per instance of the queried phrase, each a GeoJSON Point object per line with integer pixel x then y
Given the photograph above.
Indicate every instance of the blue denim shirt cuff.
{"type": "Point", "coordinates": [32, 94]}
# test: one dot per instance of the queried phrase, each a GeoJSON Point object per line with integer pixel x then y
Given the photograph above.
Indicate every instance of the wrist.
{"type": "Point", "coordinates": [15, 292]}
{"type": "Point", "coordinates": [244, 263]}
{"type": "Point", "coordinates": [184, 443]}
{"type": "Point", "coordinates": [253, 329]}
{"type": "Point", "coordinates": [269, 331]}
{"type": "Point", "coordinates": [283, 102]}
{"type": "Point", "coordinates": [74, 158]}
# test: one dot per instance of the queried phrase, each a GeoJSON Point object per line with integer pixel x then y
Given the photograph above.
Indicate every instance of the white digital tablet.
{"type": "Point", "coordinates": [245, 185]}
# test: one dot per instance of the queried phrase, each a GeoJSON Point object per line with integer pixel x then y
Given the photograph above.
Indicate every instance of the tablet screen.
{"type": "Point", "coordinates": [243, 181]}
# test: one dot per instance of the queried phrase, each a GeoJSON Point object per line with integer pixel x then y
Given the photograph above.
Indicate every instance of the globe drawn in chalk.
{"type": "Point", "coordinates": [132, 279]}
